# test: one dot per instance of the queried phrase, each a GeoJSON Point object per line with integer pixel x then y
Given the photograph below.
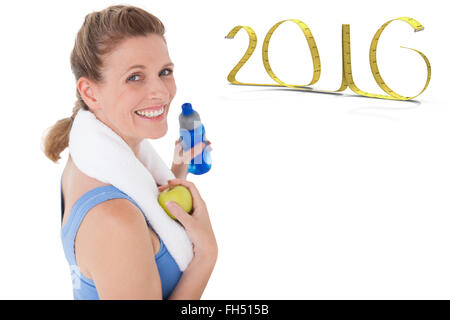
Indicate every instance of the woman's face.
{"type": "Point", "coordinates": [138, 77]}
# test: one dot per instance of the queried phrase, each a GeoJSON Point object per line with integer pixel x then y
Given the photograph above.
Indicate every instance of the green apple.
{"type": "Point", "coordinates": [179, 194]}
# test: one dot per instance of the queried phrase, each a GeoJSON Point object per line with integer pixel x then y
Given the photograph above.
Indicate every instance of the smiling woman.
{"type": "Point", "coordinates": [124, 76]}
{"type": "Point", "coordinates": [148, 87]}
{"type": "Point", "coordinates": [101, 33]}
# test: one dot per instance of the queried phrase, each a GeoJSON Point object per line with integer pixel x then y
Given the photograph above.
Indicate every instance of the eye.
{"type": "Point", "coordinates": [166, 72]}
{"type": "Point", "coordinates": [133, 77]}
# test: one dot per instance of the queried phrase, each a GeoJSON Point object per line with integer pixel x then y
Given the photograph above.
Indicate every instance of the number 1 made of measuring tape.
{"type": "Point", "coordinates": [347, 76]}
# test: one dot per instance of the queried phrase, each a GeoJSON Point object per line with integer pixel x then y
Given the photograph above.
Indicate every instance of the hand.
{"type": "Point", "coordinates": [197, 224]}
{"type": "Point", "coordinates": [181, 158]}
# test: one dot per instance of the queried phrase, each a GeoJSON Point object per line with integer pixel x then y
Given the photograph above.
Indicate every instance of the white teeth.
{"type": "Point", "coordinates": [151, 114]}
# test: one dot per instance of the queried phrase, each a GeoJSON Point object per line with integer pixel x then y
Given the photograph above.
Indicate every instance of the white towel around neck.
{"type": "Point", "coordinates": [103, 155]}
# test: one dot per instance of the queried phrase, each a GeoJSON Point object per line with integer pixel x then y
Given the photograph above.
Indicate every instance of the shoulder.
{"type": "Point", "coordinates": [114, 230]}
{"type": "Point", "coordinates": [113, 215]}
{"type": "Point", "coordinates": [120, 253]}
{"type": "Point", "coordinates": [118, 213]}
{"type": "Point", "coordinates": [117, 220]}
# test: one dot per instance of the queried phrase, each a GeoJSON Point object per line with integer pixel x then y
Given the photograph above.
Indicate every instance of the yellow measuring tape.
{"type": "Point", "coordinates": [347, 77]}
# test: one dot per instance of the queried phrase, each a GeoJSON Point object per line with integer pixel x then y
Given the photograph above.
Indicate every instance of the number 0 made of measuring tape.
{"type": "Point", "coordinates": [347, 77]}
{"type": "Point", "coordinates": [312, 48]}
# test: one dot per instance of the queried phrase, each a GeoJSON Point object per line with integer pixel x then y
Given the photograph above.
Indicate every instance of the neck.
{"type": "Point", "coordinates": [132, 142]}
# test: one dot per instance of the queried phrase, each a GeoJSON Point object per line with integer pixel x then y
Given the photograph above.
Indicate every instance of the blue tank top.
{"type": "Point", "coordinates": [83, 287]}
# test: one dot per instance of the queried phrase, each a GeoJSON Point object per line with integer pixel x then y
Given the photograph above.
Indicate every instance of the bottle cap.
{"type": "Point", "coordinates": [187, 109]}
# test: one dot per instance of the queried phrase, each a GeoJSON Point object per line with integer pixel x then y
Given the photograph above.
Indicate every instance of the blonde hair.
{"type": "Point", "coordinates": [100, 33]}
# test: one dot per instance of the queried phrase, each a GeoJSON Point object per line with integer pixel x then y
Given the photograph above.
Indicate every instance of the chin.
{"type": "Point", "coordinates": [158, 134]}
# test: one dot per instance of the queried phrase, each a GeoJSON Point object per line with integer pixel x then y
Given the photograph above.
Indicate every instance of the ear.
{"type": "Point", "coordinates": [89, 93]}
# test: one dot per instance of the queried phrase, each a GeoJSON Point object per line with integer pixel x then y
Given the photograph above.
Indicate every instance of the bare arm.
{"type": "Point", "coordinates": [120, 256]}
{"type": "Point", "coordinates": [194, 279]}
{"type": "Point", "coordinates": [198, 227]}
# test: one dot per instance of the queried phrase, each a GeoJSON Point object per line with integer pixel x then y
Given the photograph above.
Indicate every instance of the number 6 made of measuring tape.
{"type": "Point", "coordinates": [373, 59]}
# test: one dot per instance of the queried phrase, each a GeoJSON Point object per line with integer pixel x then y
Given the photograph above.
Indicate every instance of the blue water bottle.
{"type": "Point", "coordinates": [192, 132]}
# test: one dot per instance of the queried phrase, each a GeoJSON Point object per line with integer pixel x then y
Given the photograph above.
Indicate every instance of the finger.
{"type": "Point", "coordinates": [178, 212]}
{"type": "Point", "coordinates": [178, 146]}
{"type": "Point", "coordinates": [198, 149]}
{"type": "Point", "coordinates": [194, 151]}
{"type": "Point", "coordinates": [208, 144]}
{"type": "Point", "coordinates": [197, 200]}
{"type": "Point", "coordinates": [161, 188]}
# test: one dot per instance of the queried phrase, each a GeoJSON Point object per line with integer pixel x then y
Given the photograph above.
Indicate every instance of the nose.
{"type": "Point", "coordinates": [158, 90]}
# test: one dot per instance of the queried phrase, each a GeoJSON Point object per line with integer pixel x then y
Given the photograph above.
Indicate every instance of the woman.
{"type": "Point", "coordinates": [121, 64]}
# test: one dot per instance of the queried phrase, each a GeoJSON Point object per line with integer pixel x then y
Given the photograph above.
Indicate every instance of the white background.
{"type": "Point", "coordinates": [312, 196]}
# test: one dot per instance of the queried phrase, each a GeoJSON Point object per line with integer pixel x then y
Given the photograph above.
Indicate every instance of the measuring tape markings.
{"type": "Point", "coordinates": [347, 76]}
{"type": "Point", "coordinates": [251, 48]}
{"type": "Point", "coordinates": [312, 48]}
{"type": "Point", "coordinates": [373, 60]}
{"type": "Point", "coordinates": [347, 63]}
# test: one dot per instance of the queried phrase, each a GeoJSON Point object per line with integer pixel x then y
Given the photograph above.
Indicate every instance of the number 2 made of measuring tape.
{"type": "Point", "coordinates": [347, 77]}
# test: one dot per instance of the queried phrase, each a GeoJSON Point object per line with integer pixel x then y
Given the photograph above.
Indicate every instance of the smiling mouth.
{"type": "Point", "coordinates": [151, 113]}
